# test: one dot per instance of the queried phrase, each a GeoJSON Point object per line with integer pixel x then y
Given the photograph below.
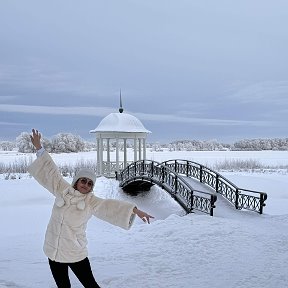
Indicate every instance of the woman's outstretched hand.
{"type": "Point", "coordinates": [143, 215]}
{"type": "Point", "coordinates": [35, 139]}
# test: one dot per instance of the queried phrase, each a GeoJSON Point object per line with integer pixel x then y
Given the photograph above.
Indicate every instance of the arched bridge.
{"type": "Point", "coordinates": [172, 176]}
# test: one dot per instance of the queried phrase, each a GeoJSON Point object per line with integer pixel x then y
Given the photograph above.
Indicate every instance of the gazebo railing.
{"type": "Point", "coordinates": [110, 167]}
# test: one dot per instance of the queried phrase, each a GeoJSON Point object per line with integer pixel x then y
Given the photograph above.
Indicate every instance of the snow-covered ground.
{"type": "Point", "coordinates": [232, 249]}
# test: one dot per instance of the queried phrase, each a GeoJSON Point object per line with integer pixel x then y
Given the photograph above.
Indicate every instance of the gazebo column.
{"type": "Point", "coordinates": [117, 154]}
{"type": "Point", "coordinates": [125, 153]}
{"type": "Point", "coordinates": [135, 149]}
{"type": "Point", "coordinates": [108, 156]}
{"type": "Point", "coordinates": [140, 149]}
{"type": "Point", "coordinates": [98, 156]}
{"type": "Point", "coordinates": [144, 149]}
{"type": "Point", "coordinates": [101, 156]}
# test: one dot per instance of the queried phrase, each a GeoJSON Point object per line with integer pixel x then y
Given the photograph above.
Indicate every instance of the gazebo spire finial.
{"type": "Point", "coordinates": [121, 108]}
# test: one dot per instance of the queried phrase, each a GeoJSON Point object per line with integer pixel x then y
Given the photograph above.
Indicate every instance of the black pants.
{"type": "Point", "coordinates": [81, 269]}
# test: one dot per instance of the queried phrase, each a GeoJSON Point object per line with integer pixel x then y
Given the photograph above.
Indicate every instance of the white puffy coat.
{"type": "Point", "coordinates": [65, 239]}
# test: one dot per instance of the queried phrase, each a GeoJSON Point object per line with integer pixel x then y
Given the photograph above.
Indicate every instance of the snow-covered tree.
{"type": "Point", "coordinates": [24, 144]}
{"type": "Point", "coordinates": [7, 145]}
{"type": "Point", "coordinates": [66, 143]}
{"type": "Point", "coordinates": [46, 143]}
{"type": "Point", "coordinates": [156, 147]}
{"type": "Point", "coordinates": [89, 146]}
{"type": "Point", "coordinates": [262, 144]}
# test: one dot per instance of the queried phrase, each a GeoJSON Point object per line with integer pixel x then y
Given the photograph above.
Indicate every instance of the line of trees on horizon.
{"type": "Point", "coordinates": [277, 144]}
{"type": "Point", "coordinates": [68, 143]}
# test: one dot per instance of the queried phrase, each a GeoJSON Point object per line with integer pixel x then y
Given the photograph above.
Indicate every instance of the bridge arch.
{"type": "Point", "coordinates": [145, 173]}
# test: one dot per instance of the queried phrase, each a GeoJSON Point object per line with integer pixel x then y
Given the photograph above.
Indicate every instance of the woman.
{"type": "Point", "coordinates": [65, 242]}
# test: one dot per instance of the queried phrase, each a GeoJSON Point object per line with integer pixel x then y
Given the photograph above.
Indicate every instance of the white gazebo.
{"type": "Point", "coordinates": [117, 129]}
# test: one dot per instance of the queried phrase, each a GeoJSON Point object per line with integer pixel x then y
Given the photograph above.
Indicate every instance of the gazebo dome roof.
{"type": "Point", "coordinates": [120, 122]}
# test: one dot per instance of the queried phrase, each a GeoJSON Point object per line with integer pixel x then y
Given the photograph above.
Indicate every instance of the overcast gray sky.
{"type": "Point", "coordinates": [187, 69]}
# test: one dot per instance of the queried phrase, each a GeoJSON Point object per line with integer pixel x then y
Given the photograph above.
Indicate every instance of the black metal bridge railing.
{"type": "Point", "coordinates": [147, 172]}
{"type": "Point", "coordinates": [240, 198]}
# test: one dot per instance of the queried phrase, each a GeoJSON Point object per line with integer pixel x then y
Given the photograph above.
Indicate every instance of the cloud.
{"type": "Point", "coordinates": [39, 75]}
{"type": "Point", "coordinates": [104, 111]}
{"type": "Point", "coordinates": [55, 110]}
{"type": "Point", "coordinates": [7, 98]}
{"type": "Point", "coordinates": [11, 124]}
{"type": "Point", "coordinates": [32, 75]}
{"type": "Point", "coordinates": [200, 121]}
{"type": "Point", "coordinates": [270, 92]}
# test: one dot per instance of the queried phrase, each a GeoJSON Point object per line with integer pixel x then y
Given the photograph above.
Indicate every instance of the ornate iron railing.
{"type": "Point", "coordinates": [156, 173]}
{"type": "Point", "coordinates": [240, 198]}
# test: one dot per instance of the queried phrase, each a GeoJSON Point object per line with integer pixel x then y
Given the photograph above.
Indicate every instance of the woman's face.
{"type": "Point", "coordinates": [84, 185]}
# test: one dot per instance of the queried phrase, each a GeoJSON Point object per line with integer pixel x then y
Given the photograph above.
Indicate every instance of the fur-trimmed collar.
{"type": "Point", "coordinates": [73, 196]}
